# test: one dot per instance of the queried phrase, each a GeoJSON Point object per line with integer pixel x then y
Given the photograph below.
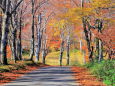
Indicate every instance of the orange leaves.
{"type": "Point", "coordinates": [9, 52]}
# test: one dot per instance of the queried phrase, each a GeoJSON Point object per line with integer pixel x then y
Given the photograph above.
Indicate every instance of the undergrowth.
{"type": "Point", "coordinates": [104, 70]}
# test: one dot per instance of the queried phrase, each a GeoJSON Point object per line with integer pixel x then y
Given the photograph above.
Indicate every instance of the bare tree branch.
{"type": "Point", "coordinates": [16, 6]}
{"type": "Point", "coordinates": [40, 4]}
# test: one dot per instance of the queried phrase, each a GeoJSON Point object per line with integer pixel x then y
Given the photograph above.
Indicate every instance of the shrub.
{"type": "Point", "coordinates": [104, 70]}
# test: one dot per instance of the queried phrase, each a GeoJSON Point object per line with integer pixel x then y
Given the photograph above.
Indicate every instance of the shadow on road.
{"type": "Point", "coordinates": [47, 76]}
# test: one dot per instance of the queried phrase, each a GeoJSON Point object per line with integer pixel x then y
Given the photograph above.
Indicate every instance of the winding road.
{"type": "Point", "coordinates": [47, 76]}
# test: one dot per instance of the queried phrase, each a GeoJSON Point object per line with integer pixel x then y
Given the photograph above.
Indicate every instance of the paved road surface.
{"type": "Point", "coordinates": [46, 76]}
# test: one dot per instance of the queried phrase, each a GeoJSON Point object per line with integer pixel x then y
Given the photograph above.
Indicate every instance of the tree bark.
{"type": "Point", "coordinates": [20, 41]}
{"type": "Point", "coordinates": [5, 31]}
{"type": "Point", "coordinates": [100, 51]}
{"type": "Point", "coordinates": [99, 42]}
{"type": "Point", "coordinates": [0, 32]}
{"type": "Point", "coordinates": [4, 40]}
{"type": "Point", "coordinates": [68, 50]}
{"type": "Point", "coordinates": [38, 45]}
{"type": "Point", "coordinates": [43, 56]}
{"type": "Point", "coordinates": [39, 38]}
{"type": "Point", "coordinates": [32, 28]}
{"type": "Point", "coordinates": [88, 39]}
{"type": "Point", "coordinates": [44, 53]}
{"type": "Point", "coordinates": [14, 45]}
{"type": "Point", "coordinates": [61, 52]}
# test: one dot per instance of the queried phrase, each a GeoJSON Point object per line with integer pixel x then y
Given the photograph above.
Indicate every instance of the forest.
{"type": "Point", "coordinates": [62, 33]}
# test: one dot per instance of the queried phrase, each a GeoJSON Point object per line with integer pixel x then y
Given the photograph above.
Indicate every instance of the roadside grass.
{"type": "Point", "coordinates": [76, 57]}
{"type": "Point", "coordinates": [104, 70]}
{"type": "Point", "coordinates": [53, 58]}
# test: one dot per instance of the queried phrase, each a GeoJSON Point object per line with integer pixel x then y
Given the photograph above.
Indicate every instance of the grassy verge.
{"type": "Point", "coordinates": [104, 70]}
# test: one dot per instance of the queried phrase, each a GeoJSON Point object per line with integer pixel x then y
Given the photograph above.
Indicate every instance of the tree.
{"type": "Point", "coordinates": [7, 13]}
{"type": "Point", "coordinates": [39, 37]}
{"type": "Point", "coordinates": [32, 29]}
{"type": "Point", "coordinates": [68, 44]}
{"type": "Point", "coordinates": [61, 30]}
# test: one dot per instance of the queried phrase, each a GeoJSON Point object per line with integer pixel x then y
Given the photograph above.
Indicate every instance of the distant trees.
{"type": "Point", "coordinates": [64, 31]}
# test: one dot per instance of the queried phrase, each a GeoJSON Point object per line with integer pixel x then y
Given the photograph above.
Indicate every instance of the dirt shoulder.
{"type": "Point", "coordinates": [85, 78]}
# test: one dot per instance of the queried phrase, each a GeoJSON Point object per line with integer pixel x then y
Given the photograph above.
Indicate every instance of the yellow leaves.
{"type": "Point", "coordinates": [78, 13]}
{"type": "Point", "coordinates": [101, 3]}
{"type": "Point", "coordinates": [61, 24]}
{"type": "Point", "coordinates": [74, 15]}
{"type": "Point", "coordinates": [58, 23]}
{"type": "Point", "coordinates": [56, 32]}
{"type": "Point", "coordinates": [101, 7]}
{"type": "Point", "coordinates": [84, 11]}
{"type": "Point", "coordinates": [58, 26]}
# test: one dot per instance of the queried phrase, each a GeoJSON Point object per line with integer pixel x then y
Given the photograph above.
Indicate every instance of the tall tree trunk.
{"type": "Point", "coordinates": [97, 48]}
{"type": "Point", "coordinates": [32, 39]}
{"type": "Point", "coordinates": [44, 48]}
{"type": "Point", "coordinates": [43, 56]}
{"type": "Point", "coordinates": [4, 40]}
{"type": "Point", "coordinates": [88, 39]}
{"type": "Point", "coordinates": [99, 42]}
{"type": "Point", "coordinates": [68, 50]}
{"type": "Point", "coordinates": [14, 45]}
{"type": "Point", "coordinates": [100, 51]}
{"type": "Point", "coordinates": [20, 41]}
{"type": "Point", "coordinates": [87, 34]}
{"type": "Point", "coordinates": [38, 45]}
{"type": "Point", "coordinates": [61, 52]}
{"type": "Point", "coordinates": [39, 38]}
{"type": "Point", "coordinates": [5, 31]}
{"type": "Point", "coordinates": [0, 34]}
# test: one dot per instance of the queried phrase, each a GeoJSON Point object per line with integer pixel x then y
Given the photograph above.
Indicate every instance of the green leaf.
{"type": "Point", "coordinates": [108, 82]}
